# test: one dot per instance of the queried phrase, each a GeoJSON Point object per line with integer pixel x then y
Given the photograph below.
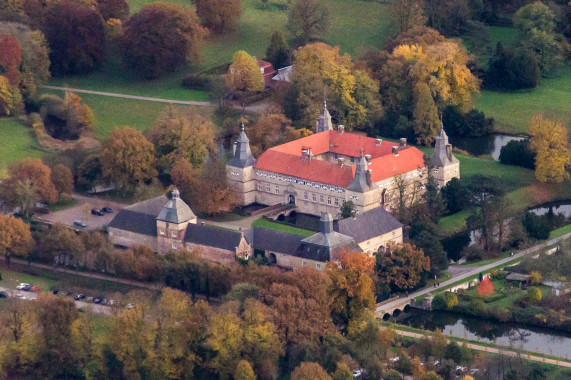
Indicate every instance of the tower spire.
{"type": "Point", "coordinates": [324, 121]}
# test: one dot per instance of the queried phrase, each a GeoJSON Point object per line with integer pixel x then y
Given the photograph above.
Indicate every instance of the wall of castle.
{"type": "Point", "coordinates": [218, 255]}
{"type": "Point", "coordinates": [241, 180]}
{"type": "Point", "coordinates": [128, 238]}
{"type": "Point", "coordinates": [289, 261]}
{"type": "Point", "coordinates": [373, 245]}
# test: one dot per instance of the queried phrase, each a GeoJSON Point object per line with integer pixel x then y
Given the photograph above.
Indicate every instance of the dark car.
{"type": "Point", "coordinates": [54, 291]}
{"type": "Point", "coordinates": [3, 294]}
{"type": "Point", "coordinates": [96, 211]}
{"type": "Point", "coordinates": [97, 300]}
{"type": "Point", "coordinates": [79, 297]}
{"type": "Point", "coordinates": [108, 210]}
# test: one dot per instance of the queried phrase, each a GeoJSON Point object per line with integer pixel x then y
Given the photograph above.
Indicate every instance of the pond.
{"type": "Point", "coordinates": [534, 339]}
{"type": "Point", "coordinates": [486, 145]}
{"type": "Point", "coordinates": [558, 209]}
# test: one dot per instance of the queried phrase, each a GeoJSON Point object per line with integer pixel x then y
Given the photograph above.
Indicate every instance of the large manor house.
{"type": "Point", "coordinates": [313, 175]}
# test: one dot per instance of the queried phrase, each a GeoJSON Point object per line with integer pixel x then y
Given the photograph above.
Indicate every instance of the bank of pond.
{"type": "Point", "coordinates": [505, 334]}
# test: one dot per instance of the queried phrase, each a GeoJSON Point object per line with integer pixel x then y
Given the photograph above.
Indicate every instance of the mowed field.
{"type": "Point", "coordinates": [512, 111]}
{"type": "Point", "coordinates": [16, 143]}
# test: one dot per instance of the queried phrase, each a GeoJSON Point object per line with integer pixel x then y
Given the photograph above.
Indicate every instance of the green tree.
{"type": "Point", "coordinates": [346, 209]}
{"type": "Point", "coordinates": [309, 370]}
{"type": "Point", "coordinates": [406, 14]}
{"type": "Point", "coordinates": [432, 248]}
{"type": "Point", "coordinates": [453, 352]}
{"type": "Point", "coordinates": [456, 196]}
{"type": "Point", "coordinates": [308, 19]}
{"type": "Point", "coordinates": [342, 372]}
{"type": "Point", "coordinates": [533, 294]}
{"type": "Point", "coordinates": [426, 122]}
{"type": "Point", "coordinates": [277, 52]}
{"type": "Point", "coordinates": [127, 158]}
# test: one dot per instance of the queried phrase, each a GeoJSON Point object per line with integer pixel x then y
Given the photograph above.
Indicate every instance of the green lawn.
{"type": "Point", "coordinates": [506, 35]}
{"type": "Point", "coordinates": [111, 112]}
{"type": "Point", "coordinates": [455, 222]}
{"type": "Point", "coordinates": [512, 111]}
{"type": "Point", "coordinates": [11, 279]}
{"type": "Point", "coordinates": [17, 144]}
{"type": "Point", "coordinates": [560, 231]}
{"type": "Point", "coordinates": [264, 223]}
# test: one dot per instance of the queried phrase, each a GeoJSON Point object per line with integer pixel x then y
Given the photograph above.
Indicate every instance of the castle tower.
{"type": "Point", "coordinates": [444, 165]}
{"type": "Point", "coordinates": [360, 190]}
{"type": "Point", "coordinates": [172, 222]}
{"type": "Point", "coordinates": [324, 121]}
{"type": "Point", "coordinates": [240, 170]}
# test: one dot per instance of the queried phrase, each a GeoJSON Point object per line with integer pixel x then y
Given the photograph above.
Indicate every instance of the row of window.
{"type": "Point", "coordinates": [299, 181]}
{"type": "Point", "coordinates": [330, 201]}
{"type": "Point", "coordinates": [268, 187]}
{"type": "Point", "coordinates": [163, 233]}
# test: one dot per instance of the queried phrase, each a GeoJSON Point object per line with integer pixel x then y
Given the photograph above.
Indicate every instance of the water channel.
{"type": "Point", "coordinates": [490, 145]}
{"type": "Point", "coordinates": [509, 335]}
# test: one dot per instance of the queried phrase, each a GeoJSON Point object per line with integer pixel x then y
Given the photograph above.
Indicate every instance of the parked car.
{"type": "Point", "coordinates": [3, 294]}
{"type": "Point", "coordinates": [357, 373]}
{"type": "Point", "coordinates": [111, 302]}
{"type": "Point", "coordinates": [35, 288]}
{"type": "Point", "coordinates": [89, 299]}
{"type": "Point", "coordinates": [54, 291]}
{"type": "Point", "coordinates": [23, 286]}
{"type": "Point", "coordinates": [79, 223]}
{"type": "Point", "coordinates": [107, 210]}
{"type": "Point", "coordinates": [97, 300]}
{"type": "Point", "coordinates": [96, 211]}
{"type": "Point", "coordinates": [79, 297]}
{"type": "Point", "coordinates": [130, 306]}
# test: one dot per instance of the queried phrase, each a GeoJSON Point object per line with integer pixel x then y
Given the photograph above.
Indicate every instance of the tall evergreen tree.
{"type": "Point", "coordinates": [278, 52]}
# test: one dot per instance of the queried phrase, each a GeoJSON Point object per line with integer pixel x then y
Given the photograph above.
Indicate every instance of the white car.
{"type": "Point", "coordinates": [23, 286]}
{"type": "Point", "coordinates": [357, 373]}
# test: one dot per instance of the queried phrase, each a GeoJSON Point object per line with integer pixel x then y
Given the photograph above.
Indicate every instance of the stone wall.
{"type": "Point", "coordinates": [289, 261]}
{"type": "Point", "coordinates": [218, 255]}
{"type": "Point", "coordinates": [127, 238]}
{"type": "Point", "coordinates": [372, 245]}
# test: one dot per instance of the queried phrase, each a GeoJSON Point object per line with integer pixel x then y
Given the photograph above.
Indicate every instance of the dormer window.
{"type": "Point", "coordinates": [173, 234]}
{"type": "Point", "coordinates": [174, 246]}
{"type": "Point", "coordinates": [162, 232]}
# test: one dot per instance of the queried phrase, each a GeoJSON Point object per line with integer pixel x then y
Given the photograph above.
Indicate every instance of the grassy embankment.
{"type": "Point", "coordinates": [17, 144]}
{"type": "Point", "coordinates": [264, 223]}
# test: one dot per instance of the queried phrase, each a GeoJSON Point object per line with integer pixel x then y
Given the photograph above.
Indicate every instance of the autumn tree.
{"type": "Point", "coordinates": [127, 158]}
{"type": "Point", "coordinates": [181, 135]}
{"type": "Point", "coordinates": [533, 294]}
{"type": "Point", "coordinates": [10, 58]}
{"type": "Point", "coordinates": [310, 370]}
{"type": "Point", "coordinates": [113, 9]}
{"type": "Point", "coordinates": [55, 316]}
{"type": "Point", "coordinates": [550, 143]}
{"type": "Point", "coordinates": [244, 371]}
{"type": "Point", "coordinates": [35, 58]}
{"type": "Point", "coordinates": [406, 14]}
{"type": "Point", "coordinates": [272, 128]}
{"type": "Point", "coordinates": [425, 114]}
{"type": "Point", "coordinates": [15, 237]}
{"type": "Point", "coordinates": [10, 98]}
{"type": "Point", "coordinates": [220, 16]}
{"type": "Point", "coordinates": [486, 287]}
{"type": "Point", "coordinates": [12, 10]}
{"type": "Point", "coordinates": [278, 53]}
{"type": "Point", "coordinates": [352, 94]}
{"type": "Point", "coordinates": [308, 20]}
{"type": "Point", "coordinates": [351, 287]}
{"type": "Point", "coordinates": [62, 179]}
{"type": "Point", "coordinates": [28, 181]}
{"type": "Point", "coordinates": [59, 242]}
{"type": "Point", "coordinates": [76, 38]}
{"type": "Point", "coordinates": [401, 266]}
{"type": "Point", "coordinates": [244, 75]}
{"type": "Point", "coordinates": [161, 38]}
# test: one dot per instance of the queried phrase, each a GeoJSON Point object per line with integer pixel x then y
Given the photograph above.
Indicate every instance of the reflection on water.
{"type": "Point", "coordinates": [558, 209]}
{"type": "Point", "coordinates": [550, 342]}
{"type": "Point", "coordinates": [485, 145]}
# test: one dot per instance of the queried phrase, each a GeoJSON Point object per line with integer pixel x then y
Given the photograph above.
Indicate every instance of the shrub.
{"type": "Point", "coordinates": [498, 274]}
{"type": "Point", "coordinates": [536, 278]}
{"type": "Point", "coordinates": [471, 124]}
{"type": "Point", "coordinates": [439, 302]}
{"type": "Point", "coordinates": [486, 288]}
{"type": "Point", "coordinates": [533, 294]}
{"type": "Point", "coordinates": [196, 82]}
{"type": "Point", "coordinates": [450, 299]}
{"type": "Point", "coordinates": [518, 153]}
{"type": "Point", "coordinates": [537, 227]}
{"type": "Point", "coordinates": [512, 70]}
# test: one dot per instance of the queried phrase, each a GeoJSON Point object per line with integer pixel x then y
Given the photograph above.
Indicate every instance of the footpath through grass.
{"type": "Point", "coordinates": [264, 223]}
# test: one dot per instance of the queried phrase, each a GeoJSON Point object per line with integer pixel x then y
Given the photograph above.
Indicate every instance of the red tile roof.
{"type": "Point", "coordinates": [286, 158]}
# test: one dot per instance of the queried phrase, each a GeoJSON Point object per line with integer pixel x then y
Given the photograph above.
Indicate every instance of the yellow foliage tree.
{"type": "Point", "coordinates": [550, 142]}
{"type": "Point", "coordinates": [244, 74]}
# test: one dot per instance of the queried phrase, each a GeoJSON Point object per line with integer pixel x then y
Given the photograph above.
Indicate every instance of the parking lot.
{"type": "Point", "coordinates": [82, 211]}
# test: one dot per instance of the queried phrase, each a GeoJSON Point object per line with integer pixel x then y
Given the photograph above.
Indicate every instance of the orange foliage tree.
{"type": "Point", "coordinates": [10, 58]}
{"type": "Point", "coordinates": [486, 287]}
{"type": "Point", "coordinates": [351, 286]}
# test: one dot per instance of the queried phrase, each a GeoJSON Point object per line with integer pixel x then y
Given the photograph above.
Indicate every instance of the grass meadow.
{"type": "Point", "coordinates": [17, 144]}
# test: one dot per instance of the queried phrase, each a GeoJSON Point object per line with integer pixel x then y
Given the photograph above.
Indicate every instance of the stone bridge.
{"type": "Point", "coordinates": [393, 307]}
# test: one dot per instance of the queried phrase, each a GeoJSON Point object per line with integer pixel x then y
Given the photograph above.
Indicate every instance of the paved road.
{"type": "Point", "coordinates": [258, 108]}
{"type": "Point", "coordinates": [494, 350]}
{"type": "Point", "coordinates": [473, 271]}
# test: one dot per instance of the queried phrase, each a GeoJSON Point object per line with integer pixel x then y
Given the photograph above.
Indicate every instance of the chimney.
{"type": "Point", "coordinates": [368, 158]}
{"type": "Point", "coordinates": [340, 161]}
{"type": "Point", "coordinates": [341, 129]}
{"type": "Point", "coordinates": [326, 223]}
{"type": "Point", "coordinates": [354, 214]}
{"type": "Point", "coordinates": [395, 150]}
{"type": "Point", "coordinates": [369, 177]}
{"type": "Point", "coordinates": [379, 142]}
{"type": "Point", "coordinates": [234, 148]}
{"type": "Point", "coordinates": [202, 223]}
{"type": "Point", "coordinates": [402, 142]}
